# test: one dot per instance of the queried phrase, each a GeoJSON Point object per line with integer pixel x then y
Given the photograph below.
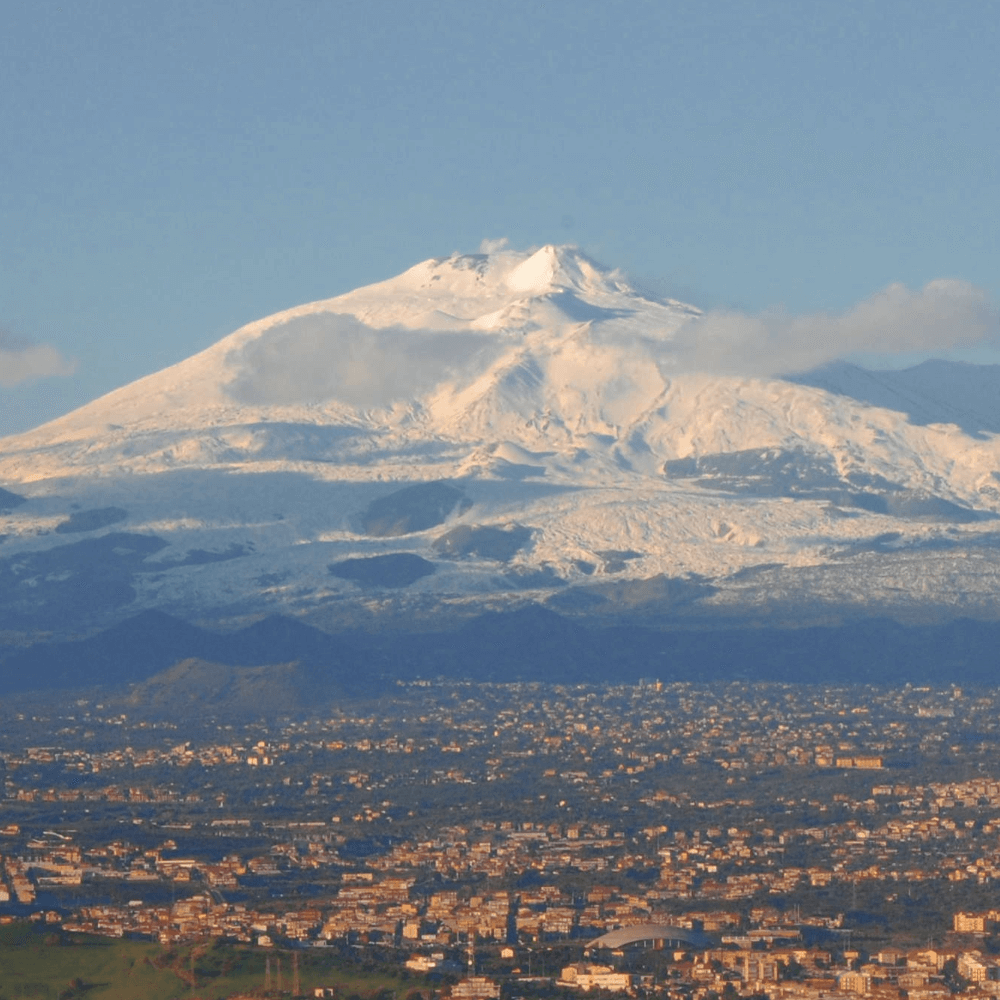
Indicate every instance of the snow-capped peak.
{"type": "Point", "coordinates": [540, 400]}
{"type": "Point", "coordinates": [553, 268]}
{"type": "Point", "coordinates": [546, 350]}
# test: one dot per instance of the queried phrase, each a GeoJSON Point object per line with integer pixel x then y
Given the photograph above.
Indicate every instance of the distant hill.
{"type": "Point", "coordinates": [143, 646]}
{"type": "Point", "coordinates": [281, 666]}
{"type": "Point", "coordinates": [194, 688]}
{"type": "Point", "coordinates": [933, 392]}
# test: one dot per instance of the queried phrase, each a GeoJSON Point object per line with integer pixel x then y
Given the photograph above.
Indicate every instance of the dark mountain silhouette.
{"type": "Point", "coordinates": [140, 647]}
{"type": "Point", "coordinates": [195, 688]}
{"type": "Point", "coordinates": [531, 644]}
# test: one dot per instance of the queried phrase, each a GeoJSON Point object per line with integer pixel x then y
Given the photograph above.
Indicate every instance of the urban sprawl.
{"type": "Point", "coordinates": [510, 839]}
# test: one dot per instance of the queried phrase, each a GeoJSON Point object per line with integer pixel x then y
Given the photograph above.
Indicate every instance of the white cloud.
{"type": "Point", "coordinates": [943, 315]}
{"type": "Point", "coordinates": [334, 356]}
{"type": "Point", "coordinates": [23, 362]}
{"type": "Point", "coordinates": [494, 246]}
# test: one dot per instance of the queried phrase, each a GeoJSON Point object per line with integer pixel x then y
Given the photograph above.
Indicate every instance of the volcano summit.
{"type": "Point", "coordinates": [495, 430]}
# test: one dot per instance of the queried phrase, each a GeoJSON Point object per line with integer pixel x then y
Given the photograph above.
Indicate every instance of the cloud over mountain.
{"type": "Point", "coordinates": [21, 361]}
{"type": "Point", "coordinates": [310, 359]}
{"type": "Point", "coordinates": [943, 315]}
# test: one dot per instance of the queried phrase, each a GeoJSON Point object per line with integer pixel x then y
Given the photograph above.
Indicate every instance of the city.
{"type": "Point", "coordinates": [500, 501]}
{"type": "Point", "coordinates": [779, 839]}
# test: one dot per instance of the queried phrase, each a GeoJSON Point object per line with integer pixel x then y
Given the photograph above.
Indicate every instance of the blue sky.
{"type": "Point", "coordinates": [169, 172]}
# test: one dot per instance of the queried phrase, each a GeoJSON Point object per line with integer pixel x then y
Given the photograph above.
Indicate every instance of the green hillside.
{"type": "Point", "coordinates": [45, 964]}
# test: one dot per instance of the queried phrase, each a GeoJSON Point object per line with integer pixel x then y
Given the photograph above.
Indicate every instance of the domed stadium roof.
{"type": "Point", "coordinates": [649, 932]}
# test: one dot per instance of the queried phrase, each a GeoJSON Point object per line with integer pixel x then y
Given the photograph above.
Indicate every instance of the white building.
{"type": "Point", "coordinates": [585, 976]}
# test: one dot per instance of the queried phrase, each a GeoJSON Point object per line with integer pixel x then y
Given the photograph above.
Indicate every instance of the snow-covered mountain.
{"type": "Point", "coordinates": [495, 428]}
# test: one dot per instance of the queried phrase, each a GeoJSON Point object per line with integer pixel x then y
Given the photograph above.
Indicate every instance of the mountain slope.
{"type": "Point", "coordinates": [933, 392]}
{"type": "Point", "coordinates": [318, 462]}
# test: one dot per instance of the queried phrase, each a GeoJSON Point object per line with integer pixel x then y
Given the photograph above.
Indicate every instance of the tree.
{"type": "Point", "coordinates": [955, 982]}
{"type": "Point", "coordinates": [792, 969]}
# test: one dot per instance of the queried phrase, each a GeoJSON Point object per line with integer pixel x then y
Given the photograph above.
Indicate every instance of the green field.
{"type": "Point", "coordinates": [43, 964]}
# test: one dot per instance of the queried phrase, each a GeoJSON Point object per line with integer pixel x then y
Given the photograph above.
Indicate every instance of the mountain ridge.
{"type": "Point", "coordinates": [209, 674]}
{"type": "Point", "coordinates": [286, 469]}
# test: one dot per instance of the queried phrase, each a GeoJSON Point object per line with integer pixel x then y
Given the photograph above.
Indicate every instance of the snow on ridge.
{"type": "Point", "coordinates": [544, 388]}
{"type": "Point", "coordinates": [545, 350]}
{"type": "Point", "coordinates": [469, 296]}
